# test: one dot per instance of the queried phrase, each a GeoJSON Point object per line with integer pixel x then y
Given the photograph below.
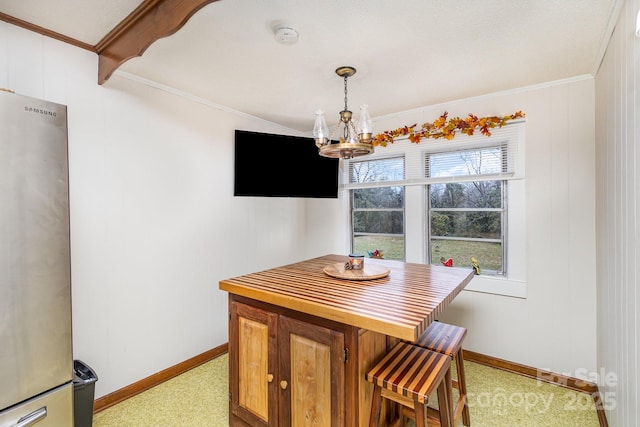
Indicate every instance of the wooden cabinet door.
{"type": "Point", "coordinates": [312, 375]}
{"type": "Point", "coordinates": [253, 364]}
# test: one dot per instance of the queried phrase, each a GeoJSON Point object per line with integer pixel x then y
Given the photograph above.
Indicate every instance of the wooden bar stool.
{"type": "Point", "coordinates": [408, 375]}
{"type": "Point", "coordinates": [447, 339]}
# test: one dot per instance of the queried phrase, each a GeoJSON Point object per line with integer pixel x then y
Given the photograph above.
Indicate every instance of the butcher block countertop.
{"type": "Point", "coordinates": [400, 305]}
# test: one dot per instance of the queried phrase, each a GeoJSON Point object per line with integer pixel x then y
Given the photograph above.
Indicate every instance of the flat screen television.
{"type": "Point", "coordinates": [269, 165]}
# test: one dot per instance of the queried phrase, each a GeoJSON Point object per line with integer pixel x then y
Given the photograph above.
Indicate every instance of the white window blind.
{"type": "Point", "coordinates": [376, 170]}
{"type": "Point", "coordinates": [479, 164]}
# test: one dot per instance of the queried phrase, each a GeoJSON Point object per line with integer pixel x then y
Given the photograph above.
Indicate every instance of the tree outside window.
{"type": "Point", "coordinates": [467, 217]}
{"type": "Point", "coordinates": [378, 211]}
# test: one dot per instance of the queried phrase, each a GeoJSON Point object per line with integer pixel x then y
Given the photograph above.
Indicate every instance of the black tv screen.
{"type": "Point", "coordinates": [269, 165]}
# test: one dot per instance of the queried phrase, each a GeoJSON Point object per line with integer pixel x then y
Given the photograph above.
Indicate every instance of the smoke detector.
{"type": "Point", "coordinates": [285, 34]}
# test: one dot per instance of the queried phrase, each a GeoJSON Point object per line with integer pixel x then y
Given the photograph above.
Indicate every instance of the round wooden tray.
{"type": "Point", "coordinates": [369, 272]}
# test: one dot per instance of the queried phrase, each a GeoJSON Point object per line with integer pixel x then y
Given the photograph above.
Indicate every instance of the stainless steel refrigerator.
{"type": "Point", "coordinates": [36, 366]}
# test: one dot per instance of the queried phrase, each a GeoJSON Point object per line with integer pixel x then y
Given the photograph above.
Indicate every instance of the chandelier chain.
{"type": "Point", "coordinates": [345, 94]}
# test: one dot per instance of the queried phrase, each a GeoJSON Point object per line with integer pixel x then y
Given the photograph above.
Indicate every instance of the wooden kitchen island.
{"type": "Point", "coordinates": [301, 341]}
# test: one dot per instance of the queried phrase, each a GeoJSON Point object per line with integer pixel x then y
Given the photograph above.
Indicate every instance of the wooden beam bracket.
{"type": "Point", "coordinates": [150, 21]}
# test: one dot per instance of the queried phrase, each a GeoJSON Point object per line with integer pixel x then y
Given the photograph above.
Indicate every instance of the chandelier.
{"type": "Point", "coordinates": [355, 140]}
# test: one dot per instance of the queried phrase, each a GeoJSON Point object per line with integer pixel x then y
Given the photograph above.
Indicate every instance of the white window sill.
{"type": "Point", "coordinates": [498, 286]}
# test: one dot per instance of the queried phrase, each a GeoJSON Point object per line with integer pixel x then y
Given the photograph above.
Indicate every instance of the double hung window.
{"type": "Point", "coordinates": [466, 207]}
{"type": "Point", "coordinates": [377, 207]}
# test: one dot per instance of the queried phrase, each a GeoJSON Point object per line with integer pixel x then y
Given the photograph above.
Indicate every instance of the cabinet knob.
{"type": "Point", "coordinates": [269, 377]}
{"type": "Point", "coordinates": [283, 384]}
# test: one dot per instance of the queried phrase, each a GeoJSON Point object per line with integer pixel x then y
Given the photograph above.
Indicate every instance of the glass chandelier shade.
{"type": "Point", "coordinates": [355, 140]}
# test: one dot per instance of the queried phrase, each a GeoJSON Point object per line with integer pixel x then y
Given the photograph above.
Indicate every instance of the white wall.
{"type": "Point", "coordinates": [618, 224]}
{"type": "Point", "coordinates": [555, 326]}
{"type": "Point", "coordinates": [154, 225]}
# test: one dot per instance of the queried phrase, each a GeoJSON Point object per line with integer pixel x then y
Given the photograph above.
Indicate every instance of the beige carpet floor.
{"type": "Point", "coordinates": [200, 397]}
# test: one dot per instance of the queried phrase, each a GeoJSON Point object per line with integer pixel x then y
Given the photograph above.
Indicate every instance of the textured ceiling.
{"type": "Point", "coordinates": [408, 53]}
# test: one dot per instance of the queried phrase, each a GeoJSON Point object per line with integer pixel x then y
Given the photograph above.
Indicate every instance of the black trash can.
{"type": "Point", "coordinates": [84, 380]}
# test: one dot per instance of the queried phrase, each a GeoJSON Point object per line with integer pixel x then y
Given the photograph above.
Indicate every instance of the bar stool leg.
{"type": "Point", "coordinates": [402, 420]}
{"type": "Point", "coordinates": [421, 414]}
{"type": "Point", "coordinates": [376, 406]}
{"type": "Point", "coordinates": [462, 388]}
{"type": "Point", "coordinates": [445, 401]}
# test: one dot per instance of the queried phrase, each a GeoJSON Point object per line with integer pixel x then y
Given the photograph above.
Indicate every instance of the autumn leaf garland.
{"type": "Point", "coordinates": [444, 127]}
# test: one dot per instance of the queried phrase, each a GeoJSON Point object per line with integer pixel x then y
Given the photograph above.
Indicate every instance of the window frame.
{"type": "Point", "coordinates": [503, 210]}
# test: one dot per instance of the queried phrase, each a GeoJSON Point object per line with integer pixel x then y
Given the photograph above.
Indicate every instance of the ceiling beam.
{"type": "Point", "coordinates": [152, 20]}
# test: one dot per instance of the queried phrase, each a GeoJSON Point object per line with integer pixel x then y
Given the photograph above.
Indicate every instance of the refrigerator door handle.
{"type": "Point", "coordinates": [32, 418]}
